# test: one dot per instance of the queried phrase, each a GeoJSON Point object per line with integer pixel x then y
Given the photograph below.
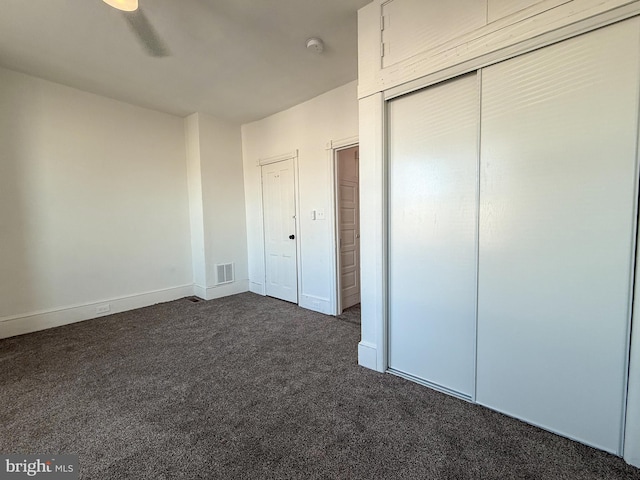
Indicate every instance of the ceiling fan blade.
{"type": "Point", "coordinates": [147, 35]}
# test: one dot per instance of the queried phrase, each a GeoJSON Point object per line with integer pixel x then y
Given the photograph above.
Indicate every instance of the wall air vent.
{"type": "Point", "coordinates": [224, 273]}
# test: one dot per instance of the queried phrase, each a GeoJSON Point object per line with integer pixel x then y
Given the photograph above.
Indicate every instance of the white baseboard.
{"type": "Point", "coordinates": [317, 304]}
{"type": "Point", "coordinates": [632, 459]}
{"type": "Point", "coordinates": [41, 320]}
{"type": "Point", "coordinates": [258, 288]}
{"type": "Point", "coordinates": [225, 290]}
{"type": "Point", "coordinates": [200, 291]}
{"type": "Point", "coordinates": [367, 355]}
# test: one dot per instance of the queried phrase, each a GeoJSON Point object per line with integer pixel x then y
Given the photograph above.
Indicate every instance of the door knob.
{"type": "Point", "coordinates": [292, 237]}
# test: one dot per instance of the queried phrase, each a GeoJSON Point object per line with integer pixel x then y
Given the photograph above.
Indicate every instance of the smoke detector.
{"type": "Point", "coordinates": [315, 45]}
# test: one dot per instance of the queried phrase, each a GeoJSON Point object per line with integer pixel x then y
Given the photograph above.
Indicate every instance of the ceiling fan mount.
{"type": "Point", "coordinates": [141, 27]}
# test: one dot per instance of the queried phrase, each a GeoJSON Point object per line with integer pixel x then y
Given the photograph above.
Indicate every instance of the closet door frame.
{"type": "Point", "coordinates": [374, 354]}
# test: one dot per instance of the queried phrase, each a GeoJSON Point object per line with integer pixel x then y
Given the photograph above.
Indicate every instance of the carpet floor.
{"type": "Point", "coordinates": [252, 387]}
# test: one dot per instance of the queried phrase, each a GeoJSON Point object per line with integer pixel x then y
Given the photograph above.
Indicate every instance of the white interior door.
{"type": "Point", "coordinates": [349, 221]}
{"type": "Point", "coordinates": [279, 211]}
{"type": "Point", "coordinates": [433, 168]}
{"type": "Point", "coordinates": [558, 191]}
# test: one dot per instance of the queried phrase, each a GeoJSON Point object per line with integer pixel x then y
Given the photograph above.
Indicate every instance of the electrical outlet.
{"type": "Point", "coordinates": [103, 309]}
{"type": "Point", "coordinates": [320, 214]}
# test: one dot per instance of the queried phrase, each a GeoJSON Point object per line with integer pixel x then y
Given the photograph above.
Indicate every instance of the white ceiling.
{"type": "Point", "coordinates": [238, 60]}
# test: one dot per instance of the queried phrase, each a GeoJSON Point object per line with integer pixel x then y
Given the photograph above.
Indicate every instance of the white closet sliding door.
{"type": "Point", "coordinates": [557, 209]}
{"type": "Point", "coordinates": [433, 167]}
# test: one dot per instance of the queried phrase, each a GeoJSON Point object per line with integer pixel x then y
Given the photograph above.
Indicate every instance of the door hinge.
{"type": "Point", "coordinates": [381, 22]}
{"type": "Point", "coordinates": [382, 49]}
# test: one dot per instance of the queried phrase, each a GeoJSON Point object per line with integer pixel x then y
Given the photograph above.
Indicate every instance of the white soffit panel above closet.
{"type": "Point", "coordinates": [431, 24]}
{"type": "Point", "coordinates": [433, 167]}
{"type": "Point", "coordinates": [558, 188]}
{"type": "Point", "coordinates": [498, 9]}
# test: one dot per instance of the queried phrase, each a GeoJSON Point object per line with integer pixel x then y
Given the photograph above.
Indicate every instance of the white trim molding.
{"type": "Point", "coordinates": [219, 291]}
{"type": "Point", "coordinates": [373, 252]}
{"type": "Point", "coordinates": [278, 158]}
{"type": "Point", "coordinates": [342, 143]}
{"type": "Point", "coordinates": [332, 148]}
{"type": "Point", "coordinates": [200, 291]}
{"type": "Point", "coordinates": [367, 355]}
{"type": "Point", "coordinates": [317, 304]}
{"type": "Point", "coordinates": [257, 288]}
{"type": "Point", "coordinates": [224, 290]}
{"type": "Point", "coordinates": [44, 319]}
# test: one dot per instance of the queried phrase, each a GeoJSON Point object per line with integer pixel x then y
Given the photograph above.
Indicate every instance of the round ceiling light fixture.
{"type": "Point", "coordinates": [124, 5]}
{"type": "Point", "coordinates": [315, 45]}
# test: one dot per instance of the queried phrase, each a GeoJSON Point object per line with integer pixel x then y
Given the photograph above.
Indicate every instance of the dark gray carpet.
{"type": "Point", "coordinates": [252, 387]}
{"type": "Point", "coordinates": [351, 315]}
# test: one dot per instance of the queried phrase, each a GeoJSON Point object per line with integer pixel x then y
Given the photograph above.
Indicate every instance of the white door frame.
{"type": "Point", "coordinates": [293, 155]}
{"type": "Point", "coordinates": [332, 148]}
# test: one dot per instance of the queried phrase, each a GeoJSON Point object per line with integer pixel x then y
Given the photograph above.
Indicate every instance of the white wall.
{"type": "Point", "coordinates": [196, 204]}
{"type": "Point", "coordinates": [216, 198]}
{"type": "Point", "coordinates": [93, 205]}
{"type": "Point", "coordinates": [307, 127]}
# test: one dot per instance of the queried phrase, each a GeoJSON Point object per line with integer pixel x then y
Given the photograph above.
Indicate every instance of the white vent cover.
{"type": "Point", "coordinates": [224, 273]}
